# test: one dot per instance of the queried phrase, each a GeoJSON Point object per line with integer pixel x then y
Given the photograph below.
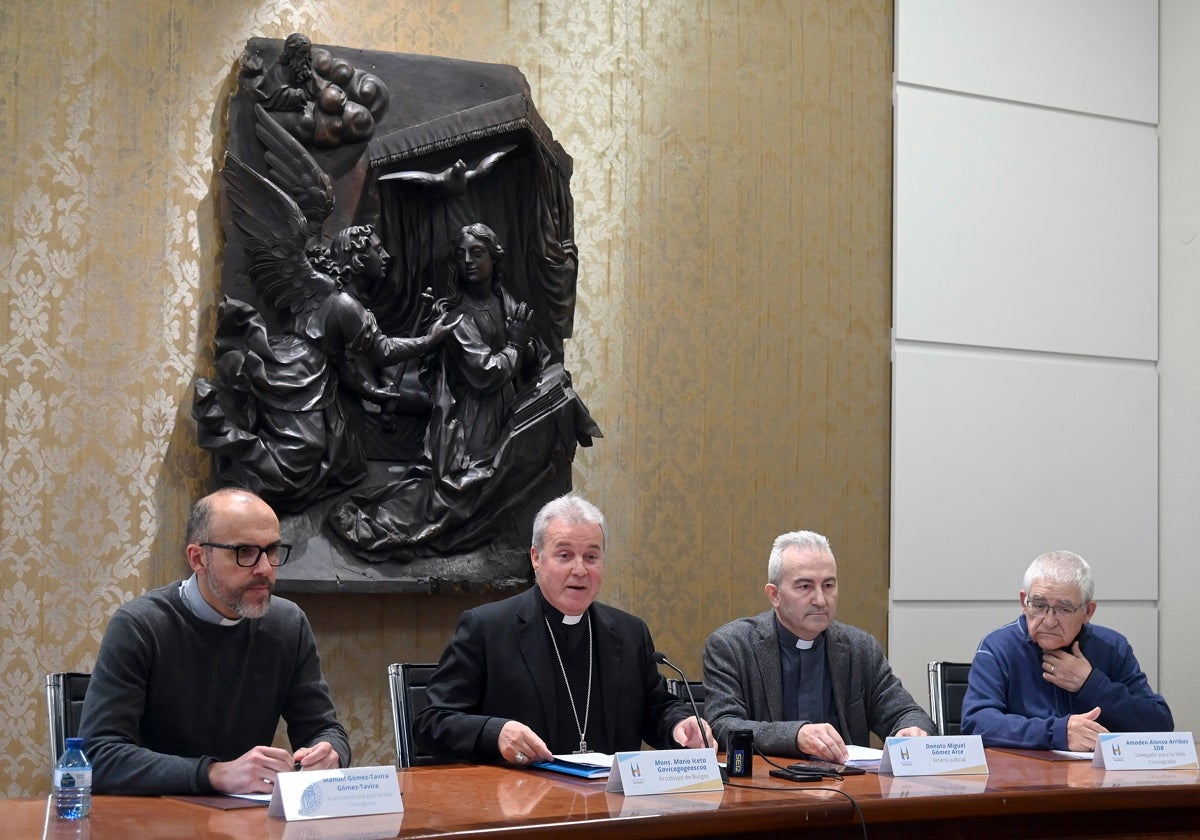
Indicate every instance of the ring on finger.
{"type": "Point", "coordinates": [520, 758]}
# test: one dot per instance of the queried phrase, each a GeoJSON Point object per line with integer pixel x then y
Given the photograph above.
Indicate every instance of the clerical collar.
{"type": "Point", "coordinates": [190, 593]}
{"type": "Point", "coordinates": [789, 639]}
{"type": "Point", "coordinates": [555, 615]}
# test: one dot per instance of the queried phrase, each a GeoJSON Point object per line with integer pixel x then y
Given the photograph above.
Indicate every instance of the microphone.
{"type": "Point", "coordinates": [661, 659]}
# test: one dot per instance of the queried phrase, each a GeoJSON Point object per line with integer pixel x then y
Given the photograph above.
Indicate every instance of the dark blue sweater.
{"type": "Point", "coordinates": [1010, 704]}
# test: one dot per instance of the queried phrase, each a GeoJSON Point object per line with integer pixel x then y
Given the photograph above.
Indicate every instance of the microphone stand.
{"type": "Point", "coordinates": [661, 659]}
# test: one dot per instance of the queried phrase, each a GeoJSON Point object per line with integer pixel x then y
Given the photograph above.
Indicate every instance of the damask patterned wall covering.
{"type": "Point", "coordinates": [732, 193]}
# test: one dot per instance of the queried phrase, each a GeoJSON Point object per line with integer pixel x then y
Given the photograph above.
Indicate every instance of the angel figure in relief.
{"type": "Point", "coordinates": [271, 416]}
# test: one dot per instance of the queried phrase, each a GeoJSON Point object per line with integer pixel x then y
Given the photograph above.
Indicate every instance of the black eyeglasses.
{"type": "Point", "coordinates": [248, 555]}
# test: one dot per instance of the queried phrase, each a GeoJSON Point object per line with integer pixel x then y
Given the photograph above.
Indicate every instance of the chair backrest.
{"type": "Point", "coordinates": [947, 686]}
{"type": "Point", "coordinates": [64, 706]}
{"type": "Point", "coordinates": [676, 687]}
{"type": "Point", "coordinates": [407, 682]}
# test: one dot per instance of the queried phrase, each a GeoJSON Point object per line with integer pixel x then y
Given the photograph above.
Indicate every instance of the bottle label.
{"type": "Point", "coordinates": [69, 777]}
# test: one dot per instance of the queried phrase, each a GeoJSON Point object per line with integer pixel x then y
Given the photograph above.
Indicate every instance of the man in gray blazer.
{"type": "Point", "coordinates": [803, 683]}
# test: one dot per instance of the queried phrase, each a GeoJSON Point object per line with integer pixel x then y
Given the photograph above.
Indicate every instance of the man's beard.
{"type": "Point", "coordinates": [301, 68]}
{"type": "Point", "coordinates": [234, 599]}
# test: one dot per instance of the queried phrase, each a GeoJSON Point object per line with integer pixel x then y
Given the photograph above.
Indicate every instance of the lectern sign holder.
{"type": "Point", "coordinates": [933, 756]}
{"type": "Point", "coordinates": [1145, 751]}
{"type": "Point", "coordinates": [664, 771]}
{"type": "Point", "coordinates": [352, 792]}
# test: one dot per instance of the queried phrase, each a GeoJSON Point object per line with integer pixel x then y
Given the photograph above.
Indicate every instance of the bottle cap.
{"type": "Point", "coordinates": [74, 743]}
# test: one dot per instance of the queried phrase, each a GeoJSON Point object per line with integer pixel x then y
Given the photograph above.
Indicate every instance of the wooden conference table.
{"type": "Point", "coordinates": [1021, 797]}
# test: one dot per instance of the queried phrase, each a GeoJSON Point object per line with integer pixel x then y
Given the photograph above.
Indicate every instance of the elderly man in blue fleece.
{"type": "Point", "coordinates": [1052, 679]}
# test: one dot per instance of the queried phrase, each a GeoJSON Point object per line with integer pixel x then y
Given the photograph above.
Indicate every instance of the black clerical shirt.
{"type": "Point", "coordinates": [807, 687]}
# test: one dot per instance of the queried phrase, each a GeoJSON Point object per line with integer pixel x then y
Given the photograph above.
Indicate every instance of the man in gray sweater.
{"type": "Point", "coordinates": [804, 684]}
{"type": "Point", "coordinates": [192, 678]}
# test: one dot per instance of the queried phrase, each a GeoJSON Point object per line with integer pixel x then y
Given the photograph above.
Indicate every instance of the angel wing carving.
{"type": "Point", "coordinates": [276, 233]}
{"type": "Point", "coordinates": [293, 168]}
{"type": "Point", "coordinates": [454, 178]}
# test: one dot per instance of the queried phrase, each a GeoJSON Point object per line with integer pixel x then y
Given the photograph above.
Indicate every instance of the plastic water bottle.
{"type": "Point", "coordinates": [73, 782]}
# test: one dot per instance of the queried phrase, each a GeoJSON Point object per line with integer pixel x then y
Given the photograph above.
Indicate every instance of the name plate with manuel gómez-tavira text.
{"type": "Point", "coordinates": [664, 771]}
{"type": "Point", "coordinates": [352, 792]}
{"type": "Point", "coordinates": [933, 756]}
{"type": "Point", "coordinates": [1145, 751]}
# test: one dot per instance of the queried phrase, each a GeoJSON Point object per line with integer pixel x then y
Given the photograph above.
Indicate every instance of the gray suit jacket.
{"type": "Point", "coordinates": [744, 687]}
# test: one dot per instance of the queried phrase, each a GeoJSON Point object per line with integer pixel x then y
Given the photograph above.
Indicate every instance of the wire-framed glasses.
{"type": "Point", "coordinates": [1040, 609]}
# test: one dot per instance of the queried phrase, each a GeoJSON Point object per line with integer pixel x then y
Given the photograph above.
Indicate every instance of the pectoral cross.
{"type": "Point", "coordinates": [583, 747]}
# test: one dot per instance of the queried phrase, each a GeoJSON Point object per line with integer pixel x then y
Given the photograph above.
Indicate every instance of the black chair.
{"type": "Point", "coordinates": [676, 687]}
{"type": "Point", "coordinates": [407, 682]}
{"type": "Point", "coordinates": [947, 687]}
{"type": "Point", "coordinates": [64, 704]}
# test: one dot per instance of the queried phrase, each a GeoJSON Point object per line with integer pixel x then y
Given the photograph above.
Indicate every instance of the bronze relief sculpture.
{"type": "Point", "coordinates": [389, 343]}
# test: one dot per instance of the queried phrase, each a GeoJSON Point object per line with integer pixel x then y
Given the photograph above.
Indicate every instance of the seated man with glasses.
{"type": "Point", "coordinates": [192, 678]}
{"type": "Point", "coordinates": [1052, 679]}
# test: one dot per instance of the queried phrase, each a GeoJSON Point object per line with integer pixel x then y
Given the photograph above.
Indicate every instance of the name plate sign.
{"type": "Point", "coordinates": [1145, 751]}
{"type": "Point", "coordinates": [664, 771]}
{"type": "Point", "coordinates": [936, 755]}
{"type": "Point", "coordinates": [351, 792]}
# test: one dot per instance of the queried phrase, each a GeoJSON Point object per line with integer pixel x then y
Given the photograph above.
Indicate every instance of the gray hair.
{"type": "Point", "coordinates": [572, 509]}
{"type": "Point", "coordinates": [793, 539]}
{"type": "Point", "coordinates": [1065, 567]}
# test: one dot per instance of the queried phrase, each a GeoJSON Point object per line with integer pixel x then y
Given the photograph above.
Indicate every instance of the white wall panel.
{"type": "Point", "coordinates": [1021, 227]}
{"type": "Point", "coordinates": [1096, 56]}
{"type": "Point", "coordinates": [1179, 367]}
{"type": "Point", "coordinates": [1000, 457]}
{"type": "Point", "coordinates": [920, 634]}
{"type": "Point", "coordinates": [1025, 320]}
